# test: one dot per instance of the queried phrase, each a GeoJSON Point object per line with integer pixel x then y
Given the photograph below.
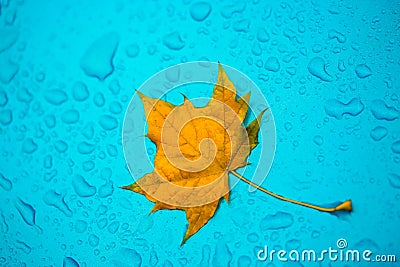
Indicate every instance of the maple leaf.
{"type": "Point", "coordinates": [197, 147]}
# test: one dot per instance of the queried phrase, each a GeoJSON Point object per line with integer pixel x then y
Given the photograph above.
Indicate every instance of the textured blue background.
{"type": "Point", "coordinates": [329, 69]}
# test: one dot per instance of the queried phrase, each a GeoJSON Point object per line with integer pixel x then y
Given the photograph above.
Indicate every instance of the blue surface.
{"type": "Point", "coordinates": [329, 70]}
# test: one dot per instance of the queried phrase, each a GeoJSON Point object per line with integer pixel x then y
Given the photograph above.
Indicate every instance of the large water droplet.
{"type": "Point", "coordinates": [70, 262]}
{"type": "Point", "coordinates": [363, 71]}
{"type": "Point", "coordinates": [381, 111]}
{"type": "Point", "coordinates": [173, 41]}
{"type": "Point", "coordinates": [318, 69]}
{"type": "Point", "coordinates": [378, 133]}
{"type": "Point", "coordinates": [54, 199]}
{"type": "Point", "coordinates": [29, 146]}
{"type": "Point", "coordinates": [82, 187]}
{"type": "Point", "coordinates": [200, 11]}
{"type": "Point", "coordinates": [80, 91]}
{"type": "Point", "coordinates": [97, 60]}
{"type": "Point", "coordinates": [108, 122]}
{"type": "Point", "coordinates": [272, 64]}
{"type": "Point", "coordinates": [396, 147]}
{"type": "Point", "coordinates": [337, 109]}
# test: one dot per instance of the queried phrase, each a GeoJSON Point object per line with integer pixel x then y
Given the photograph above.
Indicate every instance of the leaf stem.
{"type": "Point", "coordinates": [346, 205]}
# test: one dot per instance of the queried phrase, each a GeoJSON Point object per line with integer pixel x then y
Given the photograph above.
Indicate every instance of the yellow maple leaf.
{"type": "Point", "coordinates": [197, 147]}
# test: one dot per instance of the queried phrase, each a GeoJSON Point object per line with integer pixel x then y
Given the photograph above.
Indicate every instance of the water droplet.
{"type": "Point", "coordinates": [272, 64]}
{"type": "Point", "coordinates": [227, 11]}
{"type": "Point", "coordinates": [5, 183]}
{"type": "Point", "coordinates": [242, 25]}
{"type": "Point", "coordinates": [97, 60]}
{"type": "Point", "coordinates": [108, 122]}
{"type": "Point", "coordinates": [112, 150]}
{"type": "Point", "coordinates": [222, 255]}
{"type": "Point", "coordinates": [146, 224]}
{"type": "Point", "coordinates": [173, 41]}
{"type": "Point", "coordinates": [60, 146]}
{"type": "Point", "coordinates": [262, 35]}
{"type": "Point", "coordinates": [70, 116]}
{"type": "Point", "coordinates": [396, 147]}
{"type": "Point", "coordinates": [291, 71]}
{"type": "Point", "coordinates": [244, 261]}
{"type": "Point", "coordinates": [275, 221]}
{"type": "Point", "coordinates": [9, 36]}
{"type": "Point", "coordinates": [40, 77]}
{"type": "Point", "coordinates": [23, 247]}
{"type": "Point", "coordinates": [88, 165]}
{"type": "Point", "coordinates": [6, 117]}
{"type": "Point", "coordinates": [335, 108]}
{"type": "Point", "coordinates": [381, 111]}
{"type": "Point", "coordinates": [3, 98]}
{"type": "Point", "coordinates": [126, 204]}
{"type": "Point", "coordinates": [29, 146]}
{"type": "Point", "coordinates": [394, 180]}
{"type": "Point", "coordinates": [317, 48]}
{"type": "Point", "coordinates": [115, 107]}
{"type": "Point", "coordinates": [315, 234]}
{"type": "Point", "coordinates": [318, 69]}
{"type": "Point", "coordinates": [318, 140]}
{"type": "Point", "coordinates": [167, 263]}
{"type": "Point", "coordinates": [106, 189]}
{"type": "Point", "coordinates": [23, 95]}
{"type": "Point", "coordinates": [288, 126]}
{"type": "Point", "coordinates": [50, 121]}
{"type": "Point", "coordinates": [206, 254]}
{"type": "Point", "coordinates": [333, 34]}
{"type": "Point", "coordinates": [200, 11]}
{"type": "Point", "coordinates": [173, 74]}
{"type": "Point", "coordinates": [114, 86]}
{"type": "Point", "coordinates": [86, 148]}
{"type": "Point", "coordinates": [253, 237]}
{"type": "Point", "coordinates": [80, 91]}
{"type": "Point", "coordinates": [363, 71]}
{"type": "Point", "coordinates": [378, 133]}
{"type": "Point", "coordinates": [82, 187]}
{"type": "Point", "coordinates": [55, 96]}
{"type": "Point", "coordinates": [113, 227]}
{"type": "Point", "coordinates": [93, 240]}
{"type": "Point", "coordinates": [99, 99]}
{"type": "Point", "coordinates": [341, 66]}
{"type": "Point", "coordinates": [27, 212]}
{"type": "Point", "coordinates": [102, 223]}
{"type": "Point", "coordinates": [54, 199]}
{"type": "Point", "coordinates": [48, 176]}
{"type": "Point", "coordinates": [183, 261]}
{"type": "Point", "coordinates": [132, 50]}
{"type": "Point", "coordinates": [124, 255]}
{"type": "Point", "coordinates": [88, 131]}
{"type": "Point", "coordinates": [80, 226]}
{"type": "Point", "coordinates": [106, 173]}
{"type": "Point", "coordinates": [151, 50]}
{"type": "Point", "coordinates": [70, 262]}
{"type": "Point", "coordinates": [3, 223]}
{"type": "Point", "coordinates": [8, 70]}
{"type": "Point", "coordinates": [153, 258]}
